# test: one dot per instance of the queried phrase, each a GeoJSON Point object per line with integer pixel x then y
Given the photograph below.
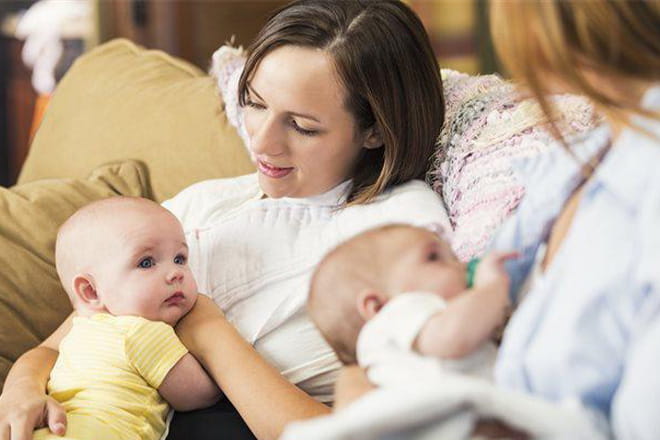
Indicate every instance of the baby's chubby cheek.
{"type": "Point", "coordinates": [193, 299]}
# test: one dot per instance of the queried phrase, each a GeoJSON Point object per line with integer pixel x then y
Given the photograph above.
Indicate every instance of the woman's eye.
{"type": "Point", "coordinates": [301, 130]}
{"type": "Point", "coordinates": [180, 259]}
{"type": "Point", "coordinates": [255, 105]}
{"type": "Point", "coordinates": [146, 263]}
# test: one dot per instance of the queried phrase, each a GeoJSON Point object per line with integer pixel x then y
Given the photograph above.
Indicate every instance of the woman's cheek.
{"type": "Point", "coordinates": [251, 118]}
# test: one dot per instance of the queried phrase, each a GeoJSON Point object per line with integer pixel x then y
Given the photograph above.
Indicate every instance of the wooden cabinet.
{"type": "Point", "coordinates": [17, 100]}
{"type": "Point", "coordinates": [189, 29]}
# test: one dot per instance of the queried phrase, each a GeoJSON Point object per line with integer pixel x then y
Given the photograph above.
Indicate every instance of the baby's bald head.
{"type": "Point", "coordinates": [361, 275]}
{"type": "Point", "coordinates": [83, 236]}
{"type": "Point", "coordinates": [356, 265]}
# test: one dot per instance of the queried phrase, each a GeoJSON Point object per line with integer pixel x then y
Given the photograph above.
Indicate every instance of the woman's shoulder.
{"type": "Point", "coordinates": [411, 190]}
{"type": "Point", "coordinates": [200, 200]}
{"type": "Point", "coordinates": [416, 195]}
{"type": "Point", "coordinates": [413, 202]}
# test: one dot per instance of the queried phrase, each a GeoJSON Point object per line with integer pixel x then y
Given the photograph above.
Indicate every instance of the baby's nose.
{"type": "Point", "coordinates": [175, 276]}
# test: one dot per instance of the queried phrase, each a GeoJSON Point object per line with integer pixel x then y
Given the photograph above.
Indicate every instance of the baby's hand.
{"type": "Point", "coordinates": [490, 272]}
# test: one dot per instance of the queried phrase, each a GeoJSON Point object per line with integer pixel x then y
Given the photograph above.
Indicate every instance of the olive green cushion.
{"type": "Point", "coordinates": [120, 101]}
{"type": "Point", "coordinates": [32, 301]}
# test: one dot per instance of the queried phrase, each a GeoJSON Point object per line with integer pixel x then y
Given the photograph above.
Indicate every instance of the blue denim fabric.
{"type": "Point", "coordinates": [589, 327]}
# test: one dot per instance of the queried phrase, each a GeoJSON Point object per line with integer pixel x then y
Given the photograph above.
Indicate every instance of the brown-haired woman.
{"type": "Point", "coordinates": [588, 328]}
{"type": "Point", "coordinates": [343, 105]}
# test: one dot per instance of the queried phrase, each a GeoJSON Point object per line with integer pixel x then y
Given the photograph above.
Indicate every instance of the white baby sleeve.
{"type": "Point", "coordinates": [384, 346]}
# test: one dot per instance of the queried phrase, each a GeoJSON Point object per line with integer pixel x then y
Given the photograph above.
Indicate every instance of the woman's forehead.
{"type": "Point", "coordinates": [297, 78]}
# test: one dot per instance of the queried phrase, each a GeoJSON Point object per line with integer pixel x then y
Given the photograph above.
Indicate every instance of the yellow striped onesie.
{"type": "Point", "coordinates": [107, 376]}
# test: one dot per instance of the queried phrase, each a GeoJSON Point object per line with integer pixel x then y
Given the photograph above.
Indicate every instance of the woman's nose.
{"type": "Point", "coordinates": [267, 138]}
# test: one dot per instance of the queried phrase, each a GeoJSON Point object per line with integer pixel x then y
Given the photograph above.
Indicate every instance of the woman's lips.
{"type": "Point", "coordinates": [272, 171]}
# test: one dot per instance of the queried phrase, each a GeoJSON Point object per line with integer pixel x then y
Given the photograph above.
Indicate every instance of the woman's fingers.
{"type": "Point", "coordinates": [55, 417]}
{"type": "Point", "coordinates": [21, 429]}
{"type": "Point", "coordinates": [18, 423]}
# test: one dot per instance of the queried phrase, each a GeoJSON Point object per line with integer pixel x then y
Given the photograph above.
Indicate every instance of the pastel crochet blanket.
{"type": "Point", "coordinates": [488, 125]}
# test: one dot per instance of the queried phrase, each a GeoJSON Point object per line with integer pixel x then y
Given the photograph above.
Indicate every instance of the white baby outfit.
{"type": "Point", "coordinates": [422, 398]}
{"type": "Point", "coordinates": [254, 257]}
{"type": "Point", "coordinates": [385, 344]}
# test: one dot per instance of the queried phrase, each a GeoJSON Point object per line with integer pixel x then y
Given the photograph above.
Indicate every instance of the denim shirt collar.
{"type": "Point", "coordinates": [555, 173]}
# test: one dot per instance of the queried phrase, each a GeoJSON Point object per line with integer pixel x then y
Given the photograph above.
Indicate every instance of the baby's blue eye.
{"type": "Point", "coordinates": [146, 263]}
{"type": "Point", "coordinates": [180, 259]}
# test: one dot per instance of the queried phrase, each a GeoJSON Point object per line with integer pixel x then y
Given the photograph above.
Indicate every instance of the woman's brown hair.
{"type": "Point", "coordinates": [384, 61]}
{"type": "Point", "coordinates": [543, 41]}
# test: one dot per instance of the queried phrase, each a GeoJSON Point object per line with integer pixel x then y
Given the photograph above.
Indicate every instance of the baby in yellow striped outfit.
{"type": "Point", "coordinates": [123, 263]}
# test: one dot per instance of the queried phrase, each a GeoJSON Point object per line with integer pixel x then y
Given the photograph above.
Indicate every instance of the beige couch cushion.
{"type": "Point", "coordinates": [119, 102]}
{"type": "Point", "coordinates": [32, 301]}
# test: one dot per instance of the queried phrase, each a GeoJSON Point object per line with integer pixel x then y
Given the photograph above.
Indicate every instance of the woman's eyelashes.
{"type": "Point", "coordinates": [303, 131]}
{"type": "Point", "coordinates": [255, 105]}
{"type": "Point", "coordinates": [249, 102]}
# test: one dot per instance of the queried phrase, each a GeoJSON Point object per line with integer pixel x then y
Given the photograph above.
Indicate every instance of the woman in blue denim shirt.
{"type": "Point", "coordinates": [587, 285]}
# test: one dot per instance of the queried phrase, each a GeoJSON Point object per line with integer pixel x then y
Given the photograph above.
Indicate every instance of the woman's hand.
{"type": "Point", "coordinates": [352, 384]}
{"type": "Point", "coordinates": [23, 409]}
{"type": "Point", "coordinates": [24, 404]}
{"type": "Point", "coordinates": [193, 328]}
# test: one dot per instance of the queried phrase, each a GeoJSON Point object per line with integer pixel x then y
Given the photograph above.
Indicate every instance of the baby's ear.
{"type": "Point", "coordinates": [369, 302]}
{"type": "Point", "coordinates": [85, 291]}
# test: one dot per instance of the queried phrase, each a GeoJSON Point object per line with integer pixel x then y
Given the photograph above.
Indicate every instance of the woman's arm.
{"type": "Point", "coordinates": [266, 400]}
{"type": "Point", "coordinates": [352, 384]}
{"type": "Point", "coordinates": [24, 404]}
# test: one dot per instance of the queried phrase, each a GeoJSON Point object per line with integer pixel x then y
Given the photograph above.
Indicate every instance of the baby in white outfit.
{"type": "Point", "coordinates": [396, 300]}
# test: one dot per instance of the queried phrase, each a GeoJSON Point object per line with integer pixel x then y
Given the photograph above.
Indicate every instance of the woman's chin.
{"type": "Point", "coordinates": [276, 188]}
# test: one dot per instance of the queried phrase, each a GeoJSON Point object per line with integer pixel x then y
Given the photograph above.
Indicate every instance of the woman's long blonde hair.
{"type": "Point", "coordinates": [542, 42]}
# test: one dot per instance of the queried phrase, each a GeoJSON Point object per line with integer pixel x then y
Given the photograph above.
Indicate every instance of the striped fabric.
{"type": "Point", "coordinates": [107, 377]}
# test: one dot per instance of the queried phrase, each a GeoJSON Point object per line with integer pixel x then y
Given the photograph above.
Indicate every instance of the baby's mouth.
{"type": "Point", "coordinates": [175, 298]}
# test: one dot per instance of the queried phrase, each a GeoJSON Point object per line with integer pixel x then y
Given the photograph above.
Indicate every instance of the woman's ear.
{"type": "Point", "coordinates": [373, 139]}
{"type": "Point", "coordinates": [85, 291]}
{"type": "Point", "coordinates": [369, 302]}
